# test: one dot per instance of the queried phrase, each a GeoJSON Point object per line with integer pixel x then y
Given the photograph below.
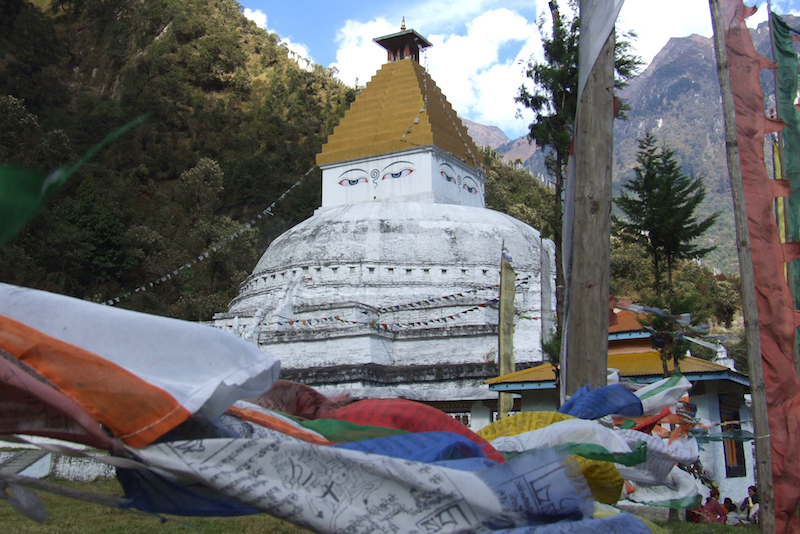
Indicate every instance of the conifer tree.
{"type": "Point", "coordinates": [659, 206]}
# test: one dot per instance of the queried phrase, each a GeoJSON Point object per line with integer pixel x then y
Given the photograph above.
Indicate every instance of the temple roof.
{"type": "Point", "coordinates": [639, 364]}
{"type": "Point", "coordinates": [399, 109]}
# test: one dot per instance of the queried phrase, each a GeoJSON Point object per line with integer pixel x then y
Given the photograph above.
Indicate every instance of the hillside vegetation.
{"type": "Point", "coordinates": [235, 122]}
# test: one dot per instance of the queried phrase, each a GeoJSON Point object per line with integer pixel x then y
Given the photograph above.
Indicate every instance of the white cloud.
{"type": "Point", "coordinates": [300, 50]}
{"type": "Point", "coordinates": [656, 22]}
{"type": "Point", "coordinates": [481, 85]}
{"type": "Point", "coordinates": [465, 60]}
{"type": "Point", "coordinates": [466, 67]}
{"type": "Point", "coordinates": [358, 57]}
{"type": "Point", "coordinates": [257, 16]}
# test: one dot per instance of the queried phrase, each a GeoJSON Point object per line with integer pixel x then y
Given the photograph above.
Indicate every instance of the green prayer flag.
{"type": "Point", "coordinates": [24, 191]}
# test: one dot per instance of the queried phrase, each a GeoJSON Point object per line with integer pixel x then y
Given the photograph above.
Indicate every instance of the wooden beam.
{"type": "Point", "coordinates": [587, 335]}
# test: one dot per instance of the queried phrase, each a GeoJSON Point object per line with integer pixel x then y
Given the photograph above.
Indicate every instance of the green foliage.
{"type": "Point", "coordinates": [517, 193]}
{"type": "Point", "coordinates": [553, 98]}
{"type": "Point", "coordinates": [659, 206]}
{"type": "Point", "coordinates": [235, 122]}
{"type": "Point", "coordinates": [737, 350]}
{"type": "Point", "coordinates": [708, 297]}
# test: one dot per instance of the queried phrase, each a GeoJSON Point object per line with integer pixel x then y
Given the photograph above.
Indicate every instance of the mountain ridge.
{"type": "Point", "coordinates": [677, 97]}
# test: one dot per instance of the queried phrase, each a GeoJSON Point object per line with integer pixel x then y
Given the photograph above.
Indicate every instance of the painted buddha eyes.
{"type": "Point", "coordinates": [347, 182]}
{"type": "Point", "coordinates": [449, 178]}
{"type": "Point", "coordinates": [470, 186]}
{"type": "Point", "coordinates": [399, 174]}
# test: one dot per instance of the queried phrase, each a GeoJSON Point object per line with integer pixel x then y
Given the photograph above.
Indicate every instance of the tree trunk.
{"type": "Point", "coordinates": [670, 294]}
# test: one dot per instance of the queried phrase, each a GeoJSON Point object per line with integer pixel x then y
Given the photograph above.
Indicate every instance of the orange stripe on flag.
{"type": "Point", "coordinates": [132, 409]}
{"type": "Point", "coordinates": [274, 423]}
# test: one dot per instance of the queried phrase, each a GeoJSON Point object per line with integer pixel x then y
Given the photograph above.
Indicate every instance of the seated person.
{"type": "Point", "coordinates": [750, 506]}
{"type": "Point", "coordinates": [733, 517]}
{"type": "Point", "coordinates": [713, 512]}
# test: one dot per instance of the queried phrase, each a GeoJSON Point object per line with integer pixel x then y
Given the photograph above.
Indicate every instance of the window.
{"type": "Point", "coordinates": [734, 450]}
{"type": "Point", "coordinates": [461, 417]}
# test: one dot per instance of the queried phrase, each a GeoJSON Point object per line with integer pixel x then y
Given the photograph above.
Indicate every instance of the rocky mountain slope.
{"type": "Point", "coordinates": [678, 98]}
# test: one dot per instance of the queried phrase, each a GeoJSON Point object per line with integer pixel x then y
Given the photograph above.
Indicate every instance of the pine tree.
{"type": "Point", "coordinates": [659, 206]}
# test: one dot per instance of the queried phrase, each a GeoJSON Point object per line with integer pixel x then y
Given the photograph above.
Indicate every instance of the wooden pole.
{"type": "Point", "coordinates": [752, 336]}
{"type": "Point", "coordinates": [587, 338]}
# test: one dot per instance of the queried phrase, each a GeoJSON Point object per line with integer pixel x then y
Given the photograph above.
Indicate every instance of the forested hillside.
{"type": "Point", "coordinates": [234, 123]}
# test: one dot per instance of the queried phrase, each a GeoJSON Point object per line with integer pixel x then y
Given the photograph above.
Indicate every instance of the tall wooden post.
{"type": "Point", "coordinates": [751, 332]}
{"type": "Point", "coordinates": [505, 339]}
{"type": "Point", "coordinates": [587, 337]}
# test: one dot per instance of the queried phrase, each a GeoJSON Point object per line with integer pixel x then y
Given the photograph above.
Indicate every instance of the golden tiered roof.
{"type": "Point", "coordinates": [400, 108]}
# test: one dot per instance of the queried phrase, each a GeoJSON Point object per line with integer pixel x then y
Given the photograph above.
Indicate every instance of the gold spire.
{"type": "Point", "coordinates": [399, 109]}
{"type": "Point", "coordinates": [403, 25]}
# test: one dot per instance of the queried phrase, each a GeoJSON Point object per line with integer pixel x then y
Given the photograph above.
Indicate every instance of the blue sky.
{"type": "Point", "coordinates": [479, 46]}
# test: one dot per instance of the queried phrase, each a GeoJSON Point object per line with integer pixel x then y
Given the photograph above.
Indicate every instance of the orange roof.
{"type": "Point", "coordinates": [636, 364]}
{"type": "Point", "coordinates": [400, 108]}
{"type": "Point", "coordinates": [627, 321]}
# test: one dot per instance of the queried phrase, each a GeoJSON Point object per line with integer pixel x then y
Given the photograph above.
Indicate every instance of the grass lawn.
{"type": "Point", "coordinates": [677, 527]}
{"type": "Point", "coordinates": [66, 516]}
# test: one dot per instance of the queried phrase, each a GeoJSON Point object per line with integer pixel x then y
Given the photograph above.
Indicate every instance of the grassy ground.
{"type": "Point", "coordinates": [68, 516]}
{"type": "Point", "coordinates": [677, 527]}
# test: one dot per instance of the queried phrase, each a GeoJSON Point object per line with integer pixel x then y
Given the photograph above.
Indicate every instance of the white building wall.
{"type": "Point", "coordinates": [713, 454]}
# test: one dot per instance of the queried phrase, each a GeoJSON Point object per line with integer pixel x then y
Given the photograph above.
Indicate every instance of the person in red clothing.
{"type": "Point", "coordinates": [713, 512]}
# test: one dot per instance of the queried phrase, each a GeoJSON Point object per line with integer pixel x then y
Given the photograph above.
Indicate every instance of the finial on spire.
{"type": "Point", "coordinates": [403, 25]}
{"type": "Point", "coordinates": [403, 44]}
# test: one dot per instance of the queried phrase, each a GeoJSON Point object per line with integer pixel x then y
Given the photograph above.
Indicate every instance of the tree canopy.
{"type": "Point", "coordinates": [553, 98]}
{"type": "Point", "coordinates": [234, 123]}
{"type": "Point", "coordinates": [658, 208]}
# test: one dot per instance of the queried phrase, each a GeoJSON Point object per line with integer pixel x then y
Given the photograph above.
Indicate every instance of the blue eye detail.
{"type": "Point", "coordinates": [399, 174]}
{"type": "Point", "coordinates": [451, 179]}
{"type": "Point", "coordinates": [471, 190]}
{"type": "Point", "coordinates": [352, 181]}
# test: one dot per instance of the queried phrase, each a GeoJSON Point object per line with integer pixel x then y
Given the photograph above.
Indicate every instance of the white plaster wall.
{"type": "Point", "coordinates": [321, 289]}
{"type": "Point", "coordinates": [480, 416]}
{"type": "Point", "coordinates": [539, 401]}
{"type": "Point", "coordinates": [713, 455]}
{"type": "Point", "coordinates": [83, 469]}
{"type": "Point", "coordinates": [465, 389]}
{"type": "Point", "coordinates": [423, 174]}
{"type": "Point", "coordinates": [455, 182]}
{"type": "Point", "coordinates": [64, 467]}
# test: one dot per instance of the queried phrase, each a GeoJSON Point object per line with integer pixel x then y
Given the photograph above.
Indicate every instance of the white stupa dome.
{"type": "Point", "coordinates": [391, 288]}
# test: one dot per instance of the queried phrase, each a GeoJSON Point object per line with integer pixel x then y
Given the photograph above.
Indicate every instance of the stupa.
{"type": "Point", "coordinates": [391, 288]}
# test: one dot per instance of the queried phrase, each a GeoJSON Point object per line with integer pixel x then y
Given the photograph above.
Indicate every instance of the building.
{"type": "Point", "coordinates": [720, 393]}
{"type": "Point", "coordinates": [390, 289]}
